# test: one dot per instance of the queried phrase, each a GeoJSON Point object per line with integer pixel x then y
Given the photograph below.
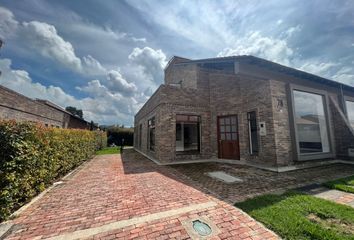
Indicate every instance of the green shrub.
{"type": "Point", "coordinates": [32, 157]}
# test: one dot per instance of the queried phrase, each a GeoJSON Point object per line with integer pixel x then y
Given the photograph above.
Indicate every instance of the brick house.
{"type": "Point", "coordinates": [16, 106]}
{"type": "Point", "coordinates": [245, 109]}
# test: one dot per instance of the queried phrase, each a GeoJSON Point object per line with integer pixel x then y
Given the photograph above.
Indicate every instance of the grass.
{"type": "Point", "coordinates": [297, 216]}
{"type": "Point", "coordinates": [343, 184]}
{"type": "Point", "coordinates": [108, 150]}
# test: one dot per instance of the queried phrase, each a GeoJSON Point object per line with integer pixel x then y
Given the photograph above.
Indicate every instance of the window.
{"type": "Point", "coordinates": [350, 112]}
{"type": "Point", "coordinates": [140, 134]}
{"type": "Point", "coordinates": [151, 135]}
{"type": "Point", "coordinates": [252, 132]}
{"type": "Point", "coordinates": [228, 128]}
{"type": "Point", "coordinates": [311, 123]}
{"type": "Point", "coordinates": [187, 133]}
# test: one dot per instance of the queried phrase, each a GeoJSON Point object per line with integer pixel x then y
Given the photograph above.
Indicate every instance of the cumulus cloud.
{"type": "Point", "coordinates": [151, 61]}
{"type": "Point", "coordinates": [92, 66]}
{"type": "Point", "coordinates": [20, 81]}
{"type": "Point", "coordinates": [254, 43]}
{"type": "Point", "coordinates": [116, 82]}
{"type": "Point", "coordinates": [44, 39]}
{"type": "Point", "coordinates": [102, 106]}
{"type": "Point", "coordinates": [8, 23]}
{"type": "Point", "coordinates": [278, 50]}
{"type": "Point", "coordinates": [95, 88]}
{"type": "Point", "coordinates": [111, 99]}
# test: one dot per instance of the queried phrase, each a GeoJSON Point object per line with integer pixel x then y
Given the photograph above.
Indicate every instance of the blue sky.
{"type": "Point", "coordinates": [107, 57]}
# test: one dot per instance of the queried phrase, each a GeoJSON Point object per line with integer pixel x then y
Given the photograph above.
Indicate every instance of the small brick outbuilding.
{"type": "Point", "coordinates": [245, 109]}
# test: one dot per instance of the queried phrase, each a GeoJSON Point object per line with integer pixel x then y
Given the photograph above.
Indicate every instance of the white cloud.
{"type": "Point", "coordinates": [143, 40]}
{"type": "Point", "coordinates": [292, 30]}
{"type": "Point", "coordinates": [44, 39]}
{"type": "Point", "coordinates": [92, 66]}
{"type": "Point", "coordinates": [116, 82]}
{"type": "Point", "coordinates": [151, 61]}
{"type": "Point", "coordinates": [345, 75]}
{"type": "Point", "coordinates": [254, 43]}
{"type": "Point", "coordinates": [112, 99]}
{"type": "Point", "coordinates": [95, 88]}
{"type": "Point", "coordinates": [8, 23]}
{"type": "Point", "coordinates": [20, 81]}
{"type": "Point", "coordinates": [202, 23]}
{"type": "Point", "coordinates": [319, 68]}
{"type": "Point", "coordinates": [278, 50]}
{"type": "Point", "coordinates": [104, 106]}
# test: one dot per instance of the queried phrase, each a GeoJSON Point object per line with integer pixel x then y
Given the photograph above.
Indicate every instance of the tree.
{"type": "Point", "coordinates": [74, 111]}
{"type": "Point", "coordinates": [117, 133]}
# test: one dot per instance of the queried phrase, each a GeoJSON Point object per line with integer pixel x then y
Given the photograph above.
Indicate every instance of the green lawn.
{"type": "Point", "coordinates": [297, 216]}
{"type": "Point", "coordinates": [108, 150]}
{"type": "Point", "coordinates": [343, 184]}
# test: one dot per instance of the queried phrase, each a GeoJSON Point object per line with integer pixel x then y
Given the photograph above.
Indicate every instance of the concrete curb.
{"type": "Point", "coordinates": [240, 162]}
{"type": "Point", "coordinates": [5, 227]}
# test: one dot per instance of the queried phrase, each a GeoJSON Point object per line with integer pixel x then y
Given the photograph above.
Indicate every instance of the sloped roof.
{"type": "Point", "coordinates": [270, 66]}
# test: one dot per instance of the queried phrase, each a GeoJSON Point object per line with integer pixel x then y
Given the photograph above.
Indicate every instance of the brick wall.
{"type": "Point", "coordinates": [18, 107]}
{"type": "Point", "coordinates": [216, 94]}
{"type": "Point", "coordinates": [186, 75]}
{"type": "Point", "coordinates": [210, 94]}
{"type": "Point", "coordinates": [282, 135]}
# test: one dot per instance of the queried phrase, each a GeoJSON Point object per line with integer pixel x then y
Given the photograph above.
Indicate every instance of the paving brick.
{"type": "Point", "coordinates": [110, 189]}
{"type": "Point", "coordinates": [256, 181]}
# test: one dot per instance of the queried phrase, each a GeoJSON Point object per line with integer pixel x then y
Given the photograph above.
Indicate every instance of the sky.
{"type": "Point", "coordinates": [107, 57]}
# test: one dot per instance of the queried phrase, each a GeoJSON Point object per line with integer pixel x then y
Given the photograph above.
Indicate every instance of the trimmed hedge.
{"type": "Point", "coordinates": [32, 157]}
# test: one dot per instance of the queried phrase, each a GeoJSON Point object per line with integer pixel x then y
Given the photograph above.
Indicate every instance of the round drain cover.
{"type": "Point", "coordinates": [201, 228]}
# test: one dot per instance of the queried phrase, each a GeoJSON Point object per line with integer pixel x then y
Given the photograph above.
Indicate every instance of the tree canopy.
{"type": "Point", "coordinates": [74, 111]}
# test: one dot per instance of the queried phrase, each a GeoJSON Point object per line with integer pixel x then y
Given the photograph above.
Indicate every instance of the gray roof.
{"type": "Point", "coordinates": [271, 66]}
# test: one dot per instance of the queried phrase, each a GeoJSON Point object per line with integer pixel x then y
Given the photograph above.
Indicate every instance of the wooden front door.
{"type": "Point", "coordinates": [228, 143]}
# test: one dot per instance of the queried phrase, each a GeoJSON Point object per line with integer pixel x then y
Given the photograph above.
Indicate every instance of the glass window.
{"type": "Point", "coordinates": [350, 112]}
{"type": "Point", "coordinates": [151, 135]}
{"type": "Point", "coordinates": [311, 123]}
{"type": "Point", "coordinates": [252, 132]}
{"type": "Point", "coordinates": [187, 133]}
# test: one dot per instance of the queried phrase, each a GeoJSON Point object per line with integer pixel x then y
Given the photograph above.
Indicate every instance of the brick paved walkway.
{"type": "Point", "coordinates": [133, 198]}
{"type": "Point", "coordinates": [331, 194]}
{"type": "Point", "coordinates": [256, 181]}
